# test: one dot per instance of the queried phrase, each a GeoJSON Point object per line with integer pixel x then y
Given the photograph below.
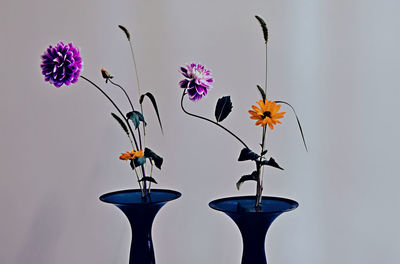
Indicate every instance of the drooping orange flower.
{"type": "Point", "coordinates": [267, 113]}
{"type": "Point", "coordinates": [130, 155]}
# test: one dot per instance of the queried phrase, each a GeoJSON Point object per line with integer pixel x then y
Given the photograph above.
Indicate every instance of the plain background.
{"type": "Point", "coordinates": [336, 62]}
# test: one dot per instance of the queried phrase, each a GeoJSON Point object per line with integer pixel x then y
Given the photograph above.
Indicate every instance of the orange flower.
{"type": "Point", "coordinates": [267, 113]}
{"type": "Point", "coordinates": [130, 155]}
{"type": "Point", "coordinates": [139, 153]}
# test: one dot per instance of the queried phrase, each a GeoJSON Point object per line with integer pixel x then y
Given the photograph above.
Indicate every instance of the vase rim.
{"type": "Point", "coordinates": [227, 205]}
{"type": "Point", "coordinates": [163, 196]}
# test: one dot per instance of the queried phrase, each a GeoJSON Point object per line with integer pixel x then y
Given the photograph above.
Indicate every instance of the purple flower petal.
{"type": "Point", "coordinates": [200, 89]}
{"type": "Point", "coordinates": [61, 64]}
{"type": "Point", "coordinates": [191, 92]}
{"type": "Point", "coordinates": [184, 83]}
{"type": "Point", "coordinates": [197, 80]}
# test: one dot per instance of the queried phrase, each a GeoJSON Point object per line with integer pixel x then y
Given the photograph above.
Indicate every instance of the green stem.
{"type": "Point", "coordinates": [116, 107]}
{"type": "Point", "coordinates": [266, 68]}
{"type": "Point", "coordinates": [140, 185]}
{"type": "Point", "coordinates": [139, 90]}
{"type": "Point", "coordinates": [141, 108]}
{"type": "Point", "coordinates": [215, 123]}
{"type": "Point", "coordinates": [260, 170]}
{"type": "Point", "coordinates": [133, 109]}
{"type": "Point", "coordinates": [124, 118]}
{"type": "Point", "coordinates": [140, 137]}
{"type": "Point", "coordinates": [126, 94]}
{"type": "Point", "coordinates": [136, 71]}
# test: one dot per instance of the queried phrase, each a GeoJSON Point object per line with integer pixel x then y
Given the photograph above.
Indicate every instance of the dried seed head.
{"type": "Point", "coordinates": [264, 28]}
{"type": "Point", "coordinates": [128, 36]}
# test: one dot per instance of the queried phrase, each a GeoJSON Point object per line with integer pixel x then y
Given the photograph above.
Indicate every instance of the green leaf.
{"type": "Point", "coordinates": [149, 179]}
{"type": "Point", "coordinates": [128, 36]}
{"type": "Point", "coordinates": [223, 108]}
{"type": "Point", "coordinates": [136, 117]}
{"type": "Point", "coordinates": [262, 92]}
{"type": "Point", "coordinates": [153, 101]}
{"type": "Point", "coordinates": [121, 122]}
{"type": "Point", "coordinates": [251, 177]}
{"type": "Point", "coordinates": [264, 28]}
{"type": "Point", "coordinates": [271, 162]}
{"type": "Point", "coordinates": [158, 161]}
{"type": "Point", "coordinates": [247, 154]}
{"type": "Point", "coordinates": [137, 162]}
{"type": "Point", "coordinates": [298, 121]}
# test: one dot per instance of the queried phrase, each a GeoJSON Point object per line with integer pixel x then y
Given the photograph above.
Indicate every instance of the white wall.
{"type": "Point", "coordinates": [335, 61]}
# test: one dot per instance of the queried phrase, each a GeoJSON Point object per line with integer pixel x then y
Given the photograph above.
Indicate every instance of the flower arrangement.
{"type": "Point", "coordinates": [196, 84]}
{"type": "Point", "coordinates": [62, 65]}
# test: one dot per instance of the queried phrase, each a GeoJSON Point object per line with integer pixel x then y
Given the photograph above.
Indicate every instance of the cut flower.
{"type": "Point", "coordinates": [130, 155]}
{"type": "Point", "coordinates": [197, 80]}
{"type": "Point", "coordinates": [61, 64]}
{"type": "Point", "coordinates": [267, 113]}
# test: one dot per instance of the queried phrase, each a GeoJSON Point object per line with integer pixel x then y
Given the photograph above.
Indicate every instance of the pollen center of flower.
{"type": "Point", "coordinates": [266, 114]}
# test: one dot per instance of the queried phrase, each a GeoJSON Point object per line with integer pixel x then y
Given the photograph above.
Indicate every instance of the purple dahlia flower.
{"type": "Point", "coordinates": [61, 64]}
{"type": "Point", "coordinates": [198, 80]}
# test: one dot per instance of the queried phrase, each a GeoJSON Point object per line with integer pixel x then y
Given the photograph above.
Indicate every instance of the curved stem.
{"type": "Point", "coordinates": [133, 109]}
{"type": "Point", "coordinates": [140, 137]}
{"type": "Point", "coordinates": [136, 71]}
{"type": "Point", "coordinates": [120, 112]}
{"type": "Point", "coordinates": [215, 123]}
{"type": "Point", "coordinates": [122, 88]}
{"type": "Point", "coordinates": [141, 109]}
{"type": "Point", "coordinates": [116, 107]}
{"type": "Point", "coordinates": [139, 90]}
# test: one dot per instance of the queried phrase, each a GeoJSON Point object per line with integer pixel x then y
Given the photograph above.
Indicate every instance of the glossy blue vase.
{"type": "Point", "coordinates": [141, 214]}
{"type": "Point", "coordinates": [253, 224]}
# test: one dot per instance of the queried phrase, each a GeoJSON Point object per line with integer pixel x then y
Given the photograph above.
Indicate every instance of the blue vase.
{"type": "Point", "coordinates": [253, 224]}
{"type": "Point", "coordinates": [140, 213]}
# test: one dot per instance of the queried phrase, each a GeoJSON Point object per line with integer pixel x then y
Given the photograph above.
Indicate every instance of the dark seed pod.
{"type": "Point", "coordinates": [125, 31]}
{"type": "Point", "coordinates": [264, 28]}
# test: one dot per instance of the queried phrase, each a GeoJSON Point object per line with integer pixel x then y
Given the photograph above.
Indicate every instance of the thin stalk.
{"type": "Point", "coordinates": [141, 108]}
{"type": "Point", "coordinates": [140, 185]}
{"type": "Point", "coordinates": [140, 137]}
{"type": "Point", "coordinates": [133, 109]}
{"type": "Point", "coordinates": [136, 71]}
{"type": "Point", "coordinates": [126, 94]}
{"type": "Point", "coordinates": [116, 107]}
{"type": "Point", "coordinates": [151, 174]}
{"type": "Point", "coordinates": [215, 123]}
{"type": "Point", "coordinates": [266, 68]}
{"type": "Point", "coordinates": [260, 170]}
{"type": "Point", "coordinates": [139, 90]}
{"type": "Point", "coordinates": [129, 126]}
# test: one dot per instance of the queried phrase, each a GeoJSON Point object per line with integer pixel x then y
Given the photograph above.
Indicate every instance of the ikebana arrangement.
{"type": "Point", "coordinates": [62, 65]}
{"type": "Point", "coordinates": [252, 214]}
{"type": "Point", "coordinates": [196, 84]}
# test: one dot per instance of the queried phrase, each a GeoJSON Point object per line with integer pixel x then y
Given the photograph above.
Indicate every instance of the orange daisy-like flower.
{"type": "Point", "coordinates": [130, 155]}
{"type": "Point", "coordinates": [267, 113]}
